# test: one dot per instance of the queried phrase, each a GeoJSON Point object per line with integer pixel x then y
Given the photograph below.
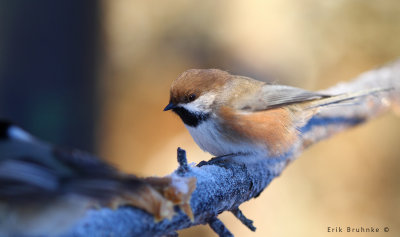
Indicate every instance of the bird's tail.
{"type": "Point", "coordinates": [310, 108]}
{"type": "Point", "coordinates": [344, 99]}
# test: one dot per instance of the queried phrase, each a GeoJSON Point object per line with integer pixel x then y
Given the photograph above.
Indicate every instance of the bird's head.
{"type": "Point", "coordinates": [194, 92]}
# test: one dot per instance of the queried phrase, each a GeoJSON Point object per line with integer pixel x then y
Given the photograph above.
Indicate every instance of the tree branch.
{"type": "Point", "coordinates": [224, 184]}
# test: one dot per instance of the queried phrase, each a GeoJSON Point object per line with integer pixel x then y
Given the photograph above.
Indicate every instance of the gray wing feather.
{"type": "Point", "coordinates": [272, 96]}
{"type": "Point", "coordinates": [34, 169]}
{"type": "Point", "coordinates": [18, 177]}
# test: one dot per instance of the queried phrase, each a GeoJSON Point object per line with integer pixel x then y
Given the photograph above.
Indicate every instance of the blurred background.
{"type": "Point", "coordinates": [96, 74]}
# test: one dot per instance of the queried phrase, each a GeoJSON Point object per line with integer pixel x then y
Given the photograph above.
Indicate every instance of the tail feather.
{"type": "Point", "coordinates": [310, 108]}
{"type": "Point", "coordinates": [338, 99]}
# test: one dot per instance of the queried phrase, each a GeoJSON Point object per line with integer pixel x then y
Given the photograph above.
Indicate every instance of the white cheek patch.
{"type": "Point", "coordinates": [201, 104]}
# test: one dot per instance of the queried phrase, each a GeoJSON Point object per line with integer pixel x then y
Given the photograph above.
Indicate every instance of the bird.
{"type": "Point", "coordinates": [45, 188]}
{"type": "Point", "coordinates": [230, 114]}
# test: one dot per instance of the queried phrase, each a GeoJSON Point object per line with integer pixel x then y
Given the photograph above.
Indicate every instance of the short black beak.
{"type": "Point", "coordinates": [169, 106]}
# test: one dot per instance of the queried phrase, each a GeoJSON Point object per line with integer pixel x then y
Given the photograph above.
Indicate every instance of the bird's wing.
{"type": "Point", "coordinates": [21, 178]}
{"type": "Point", "coordinates": [32, 171]}
{"type": "Point", "coordinates": [273, 96]}
{"type": "Point", "coordinates": [35, 169]}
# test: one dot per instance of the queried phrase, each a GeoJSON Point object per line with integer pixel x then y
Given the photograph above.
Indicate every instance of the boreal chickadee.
{"type": "Point", "coordinates": [232, 114]}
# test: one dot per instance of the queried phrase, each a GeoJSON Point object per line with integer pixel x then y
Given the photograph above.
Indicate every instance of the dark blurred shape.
{"type": "Point", "coordinates": [48, 61]}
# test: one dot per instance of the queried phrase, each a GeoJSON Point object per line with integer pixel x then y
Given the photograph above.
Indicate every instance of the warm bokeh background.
{"type": "Point", "coordinates": [123, 55]}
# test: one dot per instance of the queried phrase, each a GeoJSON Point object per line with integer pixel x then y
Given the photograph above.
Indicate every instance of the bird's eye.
{"type": "Point", "coordinates": [191, 97]}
